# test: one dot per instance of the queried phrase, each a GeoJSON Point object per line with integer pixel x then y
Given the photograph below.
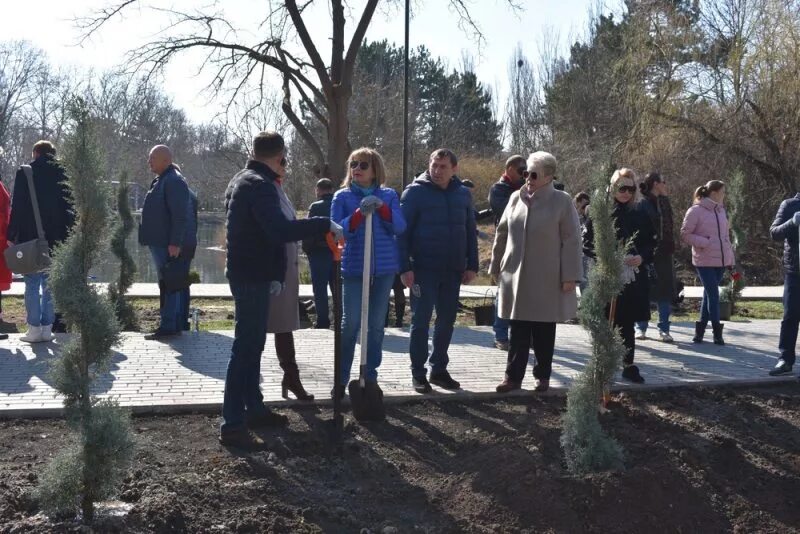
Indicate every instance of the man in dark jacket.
{"type": "Point", "coordinates": [257, 231]}
{"type": "Point", "coordinates": [320, 258]}
{"type": "Point", "coordinates": [55, 209]}
{"type": "Point", "coordinates": [785, 228]}
{"type": "Point", "coordinates": [499, 194]}
{"type": "Point", "coordinates": [438, 252]}
{"type": "Point", "coordinates": [164, 228]}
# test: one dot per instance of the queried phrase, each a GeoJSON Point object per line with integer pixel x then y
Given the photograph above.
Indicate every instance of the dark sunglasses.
{"type": "Point", "coordinates": [627, 189]}
{"type": "Point", "coordinates": [363, 165]}
{"type": "Point", "coordinates": [532, 174]}
{"type": "Point", "coordinates": [283, 162]}
{"type": "Point", "coordinates": [521, 170]}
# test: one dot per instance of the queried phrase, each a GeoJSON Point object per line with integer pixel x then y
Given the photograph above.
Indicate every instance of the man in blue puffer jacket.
{"type": "Point", "coordinates": [438, 252]}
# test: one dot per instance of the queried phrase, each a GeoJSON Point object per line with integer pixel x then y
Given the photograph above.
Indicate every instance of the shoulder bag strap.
{"type": "Point", "coordinates": [32, 188]}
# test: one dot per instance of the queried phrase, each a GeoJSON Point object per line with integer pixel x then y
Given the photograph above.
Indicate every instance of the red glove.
{"type": "Point", "coordinates": [385, 213]}
{"type": "Point", "coordinates": [356, 219]}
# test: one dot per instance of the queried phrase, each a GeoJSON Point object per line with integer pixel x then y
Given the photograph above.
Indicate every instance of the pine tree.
{"type": "Point", "coordinates": [89, 468]}
{"type": "Point", "coordinates": [127, 268]}
{"type": "Point", "coordinates": [586, 446]}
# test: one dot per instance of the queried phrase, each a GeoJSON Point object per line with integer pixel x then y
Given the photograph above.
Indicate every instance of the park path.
{"type": "Point", "coordinates": [188, 373]}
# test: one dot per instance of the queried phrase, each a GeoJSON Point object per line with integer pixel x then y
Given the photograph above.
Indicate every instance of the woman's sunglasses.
{"type": "Point", "coordinates": [627, 189]}
{"type": "Point", "coordinates": [532, 174]}
{"type": "Point", "coordinates": [363, 165]}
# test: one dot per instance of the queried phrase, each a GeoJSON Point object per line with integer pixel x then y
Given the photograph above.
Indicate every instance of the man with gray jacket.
{"type": "Point", "coordinates": [165, 229]}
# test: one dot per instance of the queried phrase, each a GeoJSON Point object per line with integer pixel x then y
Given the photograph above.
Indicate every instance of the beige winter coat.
{"type": "Point", "coordinates": [535, 249]}
{"type": "Point", "coordinates": [284, 313]}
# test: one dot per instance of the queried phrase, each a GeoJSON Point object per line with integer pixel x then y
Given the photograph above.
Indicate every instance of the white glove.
{"type": "Point", "coordinates": [628, 274]}
{"type": "Point", "coordinates": [275, 288]}
{"type": "Point", "coordinates": [337, 231]}
{"type": "Point", "coordinates": [369, 204]}
{"type": "Point", "coordinates": [796, 218]}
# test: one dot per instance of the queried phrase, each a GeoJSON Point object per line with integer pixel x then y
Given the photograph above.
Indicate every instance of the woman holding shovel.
{"type": "Point", "coordinates": [363, 198]}
{"type": "Point", "coordinates": [634, 228]}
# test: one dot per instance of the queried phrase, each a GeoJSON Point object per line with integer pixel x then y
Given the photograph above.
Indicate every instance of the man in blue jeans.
{"type": "Point", "coordinates": [499, 195]}
{"type": "Point", "coordinates": [785, 228]}
{"type": "Point", "coordinates": [320, 258]}
{"type": "Point", "coordinates": [438, 252]}
{"type": "Point", "coordinates": [257, 231]}
{"type": "Point", "coordinates": [165, 229]}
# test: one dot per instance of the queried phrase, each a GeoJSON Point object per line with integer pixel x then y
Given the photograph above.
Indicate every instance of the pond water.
{"type": "Point", "coordinates": [209, 260]}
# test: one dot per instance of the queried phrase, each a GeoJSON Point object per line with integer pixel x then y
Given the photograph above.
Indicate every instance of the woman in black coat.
{"type": "Point", "coordinates": [633, 303]}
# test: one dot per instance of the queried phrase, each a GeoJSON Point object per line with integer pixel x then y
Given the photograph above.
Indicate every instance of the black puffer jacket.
{"type": "Point", "coordinates": [257, 229]}
{"type": "Point", "coordinates": [54, 199]}
{"type": "Point", "coordinates": [783, 229]}
{"type": "Point", "coordinates": [633, 304]}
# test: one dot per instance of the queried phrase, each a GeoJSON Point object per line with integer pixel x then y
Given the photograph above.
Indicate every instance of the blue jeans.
{"type": "Point", "coordinates": [791, 317]}
{"type": "Point", "coordinates": [242, 392]}
{"type": "Point", "coordinates": [38, 307]}
{"type": "Point", "coordinates": [438, 290]}
{"type": "Point", "coordinates": [500, 326]}
{"type": "Point", "coordinates": [664, 311]}
{"type": "Point", "coordinates": [709, 308]}
{"type": "Point", "coordinates": [172, 310]}
{"type": "Point", "coordinates": [351, 322]}
{"type": "Point", "coordinates": [320, 263]}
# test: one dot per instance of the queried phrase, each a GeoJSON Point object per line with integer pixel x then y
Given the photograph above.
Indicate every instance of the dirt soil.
{"type": "Point", "coordinates": [702, 460]}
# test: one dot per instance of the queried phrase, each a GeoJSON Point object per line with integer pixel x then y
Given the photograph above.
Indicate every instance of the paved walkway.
{"type": "Point", "coordinates": [223, 291]}
{"type": "Point", "coordinates": [188, 373]}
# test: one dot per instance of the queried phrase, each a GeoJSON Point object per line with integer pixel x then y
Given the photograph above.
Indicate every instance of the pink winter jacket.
{"type": "Point", "coordinates": [705, 228]}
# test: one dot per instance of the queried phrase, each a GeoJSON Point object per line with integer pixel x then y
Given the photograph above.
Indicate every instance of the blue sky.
{"type": "Point", "coordinates": [50, 26]}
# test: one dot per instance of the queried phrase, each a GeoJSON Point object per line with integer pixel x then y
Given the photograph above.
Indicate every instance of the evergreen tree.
{"type": "Point", "coordinates": [127, 267]}
{"type": "Point", "coordinates": [90, 467]}
{"type": "Point", "coordinates": [586, 446]}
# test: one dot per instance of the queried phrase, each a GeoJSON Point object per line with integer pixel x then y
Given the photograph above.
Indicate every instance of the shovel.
{"type": "Point", "coordinates": [336, 250]}
{"type": "Point", "coordinates": [366, 399]}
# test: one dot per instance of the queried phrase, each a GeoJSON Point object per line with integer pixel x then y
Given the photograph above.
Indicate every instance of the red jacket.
{"type": "Point", "coordinates": [5, 216]}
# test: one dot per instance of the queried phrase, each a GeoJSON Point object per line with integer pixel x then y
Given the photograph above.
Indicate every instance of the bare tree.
{"type": "Point", "coordinates": [323, 88]}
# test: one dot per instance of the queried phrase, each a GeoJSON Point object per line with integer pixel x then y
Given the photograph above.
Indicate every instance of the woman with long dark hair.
{"type": "Point", "coordinates": [655, 204]}
{"type": "Point", "coordinates": [705, 228]}
{"type": "Point", "coordinates": [633, 303]}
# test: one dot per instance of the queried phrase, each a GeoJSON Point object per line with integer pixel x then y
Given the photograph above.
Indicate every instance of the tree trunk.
{"type": "Point", "coordinates": [338, 133]}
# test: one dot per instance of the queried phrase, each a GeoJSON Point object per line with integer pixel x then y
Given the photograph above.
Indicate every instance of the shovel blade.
{"type": "Point", "coordinates": [366, 402]}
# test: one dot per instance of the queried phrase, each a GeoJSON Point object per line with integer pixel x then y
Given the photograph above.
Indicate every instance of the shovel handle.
{"type": "Point", "coordinates": [336, 247]}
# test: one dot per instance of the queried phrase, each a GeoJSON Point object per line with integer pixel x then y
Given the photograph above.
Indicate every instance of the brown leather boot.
{"type": "Point", "coordinates": [508, 386]}
{"type": "Point", "coordinates": [284, 347]}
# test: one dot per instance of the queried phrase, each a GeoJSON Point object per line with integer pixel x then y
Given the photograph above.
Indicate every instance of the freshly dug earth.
{"type": "Point", "coordinates": [703, 460]}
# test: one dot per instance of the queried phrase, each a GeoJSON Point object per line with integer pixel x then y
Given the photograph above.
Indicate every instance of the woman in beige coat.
{"type": "Point", "coordinates": [536, 261]}
{"type": "Point", "coordinates": [284, 315]}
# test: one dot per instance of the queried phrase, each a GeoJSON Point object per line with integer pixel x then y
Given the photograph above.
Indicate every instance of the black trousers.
{"type": "Point", "coordinates": [524, 336]}
{"type": "Point", "coordinates": [628, 339]}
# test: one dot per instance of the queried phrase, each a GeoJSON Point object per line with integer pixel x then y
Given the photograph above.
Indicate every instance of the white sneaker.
{"type": "Point", "coordinates": [641, 334]}
{"type": "Point", "coordinates": [33, 335]}
{"type": "Point", "coordinates": [666, 338]}
{"type": "Point", "coordinates": [47, 333]}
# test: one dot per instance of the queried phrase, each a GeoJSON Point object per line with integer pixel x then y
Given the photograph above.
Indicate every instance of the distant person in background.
{"type": "Point", "coordinates": [55, 208]}
{"type": "Point", "coordinates": [399, 297]}
{"type": "Point", "coordinates": [163, 228]}
{"type": "Point", "coordinates": [581, 201]}
{"type": "Point", "coordinates": [705, 228]}
{"type": "Point", "coordinates": [320, 257]}
{"type": "Point", "coordinates": [785, 228]}
{"type": "Point", "coordinates": [656, 206]}
{"type": "Point", "coordinates": [5, 274]}
{"type": "Point", "coordinates": [499, 195]}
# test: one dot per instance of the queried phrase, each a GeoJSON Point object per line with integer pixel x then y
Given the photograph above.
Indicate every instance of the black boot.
{"type": "Point", "coordinates": [718, 333]}
{"type": "Point", "coordinates": [699, 331]}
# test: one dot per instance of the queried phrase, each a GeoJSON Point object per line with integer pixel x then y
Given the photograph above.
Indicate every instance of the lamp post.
{"type": "Point", "coordinates": [405, 97]}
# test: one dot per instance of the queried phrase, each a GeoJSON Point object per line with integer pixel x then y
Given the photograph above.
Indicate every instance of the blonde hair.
{"type": "Point", "coordinates": [375, 161]}
{"type": "Point", "coordinates": [625, 173]}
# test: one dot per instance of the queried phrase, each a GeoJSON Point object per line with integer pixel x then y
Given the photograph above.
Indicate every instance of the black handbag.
{"type": "Point", "coordinates": [34, 255]}
{"type": "Point", "coordinates": [174, 276]}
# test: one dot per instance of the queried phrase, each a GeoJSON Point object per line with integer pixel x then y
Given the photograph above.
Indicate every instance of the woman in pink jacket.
{"type": "Point", "coordinates": [705, 228]}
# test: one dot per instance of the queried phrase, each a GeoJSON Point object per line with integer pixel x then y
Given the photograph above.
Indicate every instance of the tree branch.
{"type": "Point", "coordinates": [298, 124]}
{"type": "Point", "coordinates": [308, 44]}
{"type": "Point", "coordinates": [358, 38]}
